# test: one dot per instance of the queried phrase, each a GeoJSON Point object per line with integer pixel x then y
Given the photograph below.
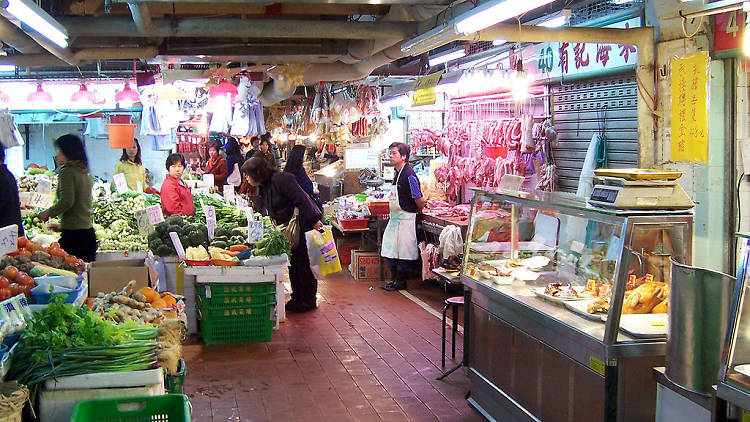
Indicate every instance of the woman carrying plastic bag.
{"type": "Point", "coordinates": [324, 258]}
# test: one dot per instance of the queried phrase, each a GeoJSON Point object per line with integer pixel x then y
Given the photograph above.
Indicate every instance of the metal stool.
{"type": "Point", "coordinates": [452, 302]}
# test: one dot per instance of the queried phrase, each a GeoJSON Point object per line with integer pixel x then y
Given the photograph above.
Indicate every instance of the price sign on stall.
{"type": "Point", "coordinates": [43, 185]}
{"type": "Point", "coordinates": [208, 179]}
{"type": "Point", "coordinates": [120, 183]}
{"type": "Point", "coordinates": [139, 187]}
{"type": "Point", "coordinates": [155, 216]}
{"type": "Point", "coordinates": [254, 231]}
{"type": "Point", "coordinates": [241, 202]}
{"type": "Point", "coordinates": [35, 200]}
{"type": "Point", "coordinates": [177, 244]}
{"type": "Point", "coordinates": [229, 193]}
{"type": "Point", "coordinates": [210, 220]}
{"type": "Point", "coordinates": [144, 222]}
{"type": "Point", "coordinates": [8, 239]}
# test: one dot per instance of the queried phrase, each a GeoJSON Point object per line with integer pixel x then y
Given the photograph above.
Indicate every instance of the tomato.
{"type": "Point", "coordinates": [24, 279]}
{"type": "Point", "coordinates": [5, 293]}
{"type": "Point", "coordinates": [22, 241]}
{"type": "Point", "coordinates": [26, 290]}
{"type": "Point", "coordinates": [15, 289]}
{"type": "Point", "coordinates": [54, 245]}
{"type": "Point", "coordinates": [4, 283]}
{"type": "Point", "coordinates": [31, 246]}
{"type": "Point", "coordinates": [11, 272]}
{"type": "Point", "coordinates": [24, 252]}
{"type": "Point", "coordinates": [57, 252]}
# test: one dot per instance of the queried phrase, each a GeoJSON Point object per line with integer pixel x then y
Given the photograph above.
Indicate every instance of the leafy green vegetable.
{"type": "Point", "coordinates": [273, 244]}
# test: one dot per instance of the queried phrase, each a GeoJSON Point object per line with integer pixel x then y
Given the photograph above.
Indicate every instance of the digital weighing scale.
{"type": "Point", "coordinates": [637, 189]}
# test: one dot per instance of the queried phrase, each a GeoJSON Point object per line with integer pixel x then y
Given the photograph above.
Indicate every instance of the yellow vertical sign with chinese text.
{"type": "Point", "coordinates": [424, 89]}
{"type": "Point", "coordinates": [690, 107]}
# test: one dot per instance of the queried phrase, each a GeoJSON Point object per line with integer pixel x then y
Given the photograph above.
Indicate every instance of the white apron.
{"type": "Point", "coordinates": [400, 236]}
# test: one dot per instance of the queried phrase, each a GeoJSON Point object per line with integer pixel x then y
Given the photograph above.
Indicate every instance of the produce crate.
{"type": "Point", "coordinates": [233, 301]}
{"type": "Point", "coordinates": [173, 382]}
{"type": "Point", "coordinates": [236, 325]}
{"type": "Point", "coordinates": [231, 289]}
{"type": "Point", "coordinates": [354, 224]}
{"type": "Point", "coordinates": [166, 408]}
{"type": "Point", "coordinates": [378, 208]}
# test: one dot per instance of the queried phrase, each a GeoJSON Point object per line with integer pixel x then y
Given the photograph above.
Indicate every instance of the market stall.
{"type": "Point", "coordinates": [560, 290]}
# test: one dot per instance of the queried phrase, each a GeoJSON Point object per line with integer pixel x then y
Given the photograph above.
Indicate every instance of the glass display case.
{"type": "Point", "coordinates": [734, 376]}
{"type": "Point", "coordinates": [560, 291]}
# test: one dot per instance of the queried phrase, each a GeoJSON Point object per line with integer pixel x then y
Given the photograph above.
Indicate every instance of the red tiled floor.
{"type": "Point", "coordinates": [364, 355]}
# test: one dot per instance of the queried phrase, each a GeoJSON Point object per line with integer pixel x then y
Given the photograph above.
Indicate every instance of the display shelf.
{"type": "Point", "coordinates": [513, 329]}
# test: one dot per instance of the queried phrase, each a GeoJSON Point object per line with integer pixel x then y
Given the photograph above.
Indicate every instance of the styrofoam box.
{"type": "Point", "coordinates": [57, 400]}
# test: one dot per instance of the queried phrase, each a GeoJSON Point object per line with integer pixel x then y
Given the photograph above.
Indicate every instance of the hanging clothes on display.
{"type": "Point", "coordinates": [247, 119]}
{"type": "Point", "coordinates": [159, 120]}
{"type": "Point", "coordinates": [9, 134]}
{"type": "Point", "coordinates": [96, 128]}
{"type": "Point", "coordinates": [221, 113]}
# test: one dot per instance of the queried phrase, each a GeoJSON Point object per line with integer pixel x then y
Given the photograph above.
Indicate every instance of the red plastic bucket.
{"type": "Point", "coordinates": [121, 135]}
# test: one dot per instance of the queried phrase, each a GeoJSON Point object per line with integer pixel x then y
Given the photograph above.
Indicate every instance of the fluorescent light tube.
{"type": "Point", "coordinates": [492, 12]}
{"type": "Point", "coordinates": [7, 68]}
{"type": "Point", "coordinates": [433, 38]}
{"type": "Point", "coordinates": [39, 20]}
{"type": "Point", "coordinates": [555, 22]}
{"type": "Point", "coordinates": [447, 56]}
{"type": "Point", "coordinates": [499, 41]}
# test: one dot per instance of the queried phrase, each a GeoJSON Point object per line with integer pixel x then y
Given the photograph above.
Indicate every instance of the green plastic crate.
{"type": "Point", "coordinates": [173, 382]}
{"type": "Point", "coordinates": [166, 408]}
{"type": "Point", "coordinates": [235, 300]}
{"type": "Point", "coordinates": [236, 325]}
{"type": "Point", "coordinates": [233, 289]}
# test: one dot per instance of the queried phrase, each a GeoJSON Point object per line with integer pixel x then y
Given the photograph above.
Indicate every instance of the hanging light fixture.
{"type": "Point", "coordinates": [39, 95]}
{"type": "Point", "coordinates": [83, 94]}
{"type": "Point", "coordinates": [127, 97]}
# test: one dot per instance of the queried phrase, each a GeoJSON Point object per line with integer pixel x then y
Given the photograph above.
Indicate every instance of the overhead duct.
{"type": "Point", "coordinates": [15, 38]}
{"type": "Point", "coordinates": [352, 72]}
{"type": "Point", "coordinates": [275, 91]}
{"type": "Point", "coordinates": [80, 56]}
{"type": "Point", "coordinates": [141, 17]}
{"type": "Point", "coordinates": [239, 28]}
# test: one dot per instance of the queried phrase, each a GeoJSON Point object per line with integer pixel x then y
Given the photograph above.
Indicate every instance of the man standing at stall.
{"type": "Point", "coordinates": [400, 237]}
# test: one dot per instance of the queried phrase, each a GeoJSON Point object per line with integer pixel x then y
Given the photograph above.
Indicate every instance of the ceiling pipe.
{"type": "Point", "coordinates": [345, 72]}
{"type": "Point", "coordinates": [14, 37]}
{"type": "Point", "coordinates": [141, 17]}
{"type": "Point", "coordinates": [80, 56]}
{"type": "Point", "coordinates": [275, 91]}
{"type": "Point", "coordinates": [239, 28]}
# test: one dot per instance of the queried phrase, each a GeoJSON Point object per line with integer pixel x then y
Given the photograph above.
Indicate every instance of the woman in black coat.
{"type": "Point", "coordinates": [10, 212]}
{"type": "Point", "coordinates": [281, 194]}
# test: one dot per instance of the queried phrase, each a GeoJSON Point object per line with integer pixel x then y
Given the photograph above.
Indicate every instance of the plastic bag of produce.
{"type": "Point", "coordinates": [324, 258]}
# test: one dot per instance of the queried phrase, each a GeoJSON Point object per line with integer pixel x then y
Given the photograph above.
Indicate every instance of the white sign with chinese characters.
{"type": "Point", "coordinates": [210, 212]}
{"type": "Point", "coordinates": [155, 215]}
{"type": "Point", "coordinates": [8, 239]}
{"type": "Point", "coordinates": [120, 183]}
{"type": "Point", "coordinates": [254, 231]}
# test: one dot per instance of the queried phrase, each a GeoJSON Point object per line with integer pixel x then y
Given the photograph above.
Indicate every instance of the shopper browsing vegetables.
{"type": "Point", "coordinates": [73, 199]}
{"type": "Point", "coordinates": [10, 213]}
{"type": "Point", "coordinates": [131, 166]}
{"type": "Point", "coordinates": [281, 196]}
{"type": "Point", "coordinates": [234, 161]}
{"type": "Point", "coordinates": [176, 197]}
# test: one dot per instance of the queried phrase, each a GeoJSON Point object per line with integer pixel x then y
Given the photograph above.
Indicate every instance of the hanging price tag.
{"type": "Point", "coordinates": [144, 223]}
{"type": "Point", "coordinates": [210, 220]}
{"type": "Point", "coordinates": [254, 231]}
{"type": "Point", "coordinates": [241, 202]}
{"type": "Point", "coordinates": [155, 216]}
{"type": "Point", "coordinates": [120, 183]}
{"type": "Point", "coordinates": [8, 239]}
{"type": "Point", "coordinates": [208, 179]}
{"type": "Point", "coordinates": [177, 244]}
{"type": "Point", "coordinates": [229, 194]}
{"type": "Point", "coordinates": [139, 187]}
{"type": "Point", "coordinates": [43, 185]}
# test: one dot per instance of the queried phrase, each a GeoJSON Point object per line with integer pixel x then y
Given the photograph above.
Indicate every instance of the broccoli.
{"type": "Point", "coordinates": [164, 250]}
{"type": "Point", "coordinates": [175, 220]}
{"type": "Point", "coordinates": [155, 244]}
{"type": "Point", "coordinates": [153, 236]}
{"type": "Point", "coordinates": [223, 232]}
{"type": "Point", "coordinates": [174, 228]}
{"type": "Point", "coordinates": [161, 228]}
{"type": "Point", "coordinates": [194, 239]}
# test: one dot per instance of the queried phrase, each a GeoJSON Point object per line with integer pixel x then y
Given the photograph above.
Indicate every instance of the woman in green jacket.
{"type": "Point", "coordinates": [73, 199]}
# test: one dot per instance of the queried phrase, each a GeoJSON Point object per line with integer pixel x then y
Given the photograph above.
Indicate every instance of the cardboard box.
{"type": "Point", "coordinates": [366, 266]}
{"type": "Point", "coordinates": [112, 276]}
{"type": "Point", "coordinates": [351, 183]}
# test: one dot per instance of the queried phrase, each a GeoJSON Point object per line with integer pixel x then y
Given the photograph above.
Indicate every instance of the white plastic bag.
{"type": "Point", "coordinates": [586, 180]}
{"type": "Point", "coordinates": [321, 248]}
{"type": "Point", "coordinates": [451, 241]}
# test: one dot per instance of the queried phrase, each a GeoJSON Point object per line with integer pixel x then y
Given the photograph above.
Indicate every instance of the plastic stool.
{"type": "Point", "coordinates": [452, 302]}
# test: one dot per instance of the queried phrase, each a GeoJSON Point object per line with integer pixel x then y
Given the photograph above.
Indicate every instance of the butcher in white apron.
{"type": "Point", "coordinates": [400, 237]}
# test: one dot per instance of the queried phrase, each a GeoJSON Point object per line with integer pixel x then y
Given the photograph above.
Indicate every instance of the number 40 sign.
{"type": "Point", "coordinates": [8, 239]}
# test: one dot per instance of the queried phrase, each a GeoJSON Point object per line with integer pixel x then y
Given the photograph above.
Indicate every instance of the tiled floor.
{"type": "Point", "coordinates": [364, 355]}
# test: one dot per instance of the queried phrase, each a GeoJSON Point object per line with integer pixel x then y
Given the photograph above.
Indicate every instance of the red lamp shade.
{"type": "Point", "coordinates": [127, 95]}
{"type": "Point", "coordinates": [83, 94]}
{"type": "Point", "coordinates": [223, 88]}
{"type": "Point", "coordinates": [39, 96]}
